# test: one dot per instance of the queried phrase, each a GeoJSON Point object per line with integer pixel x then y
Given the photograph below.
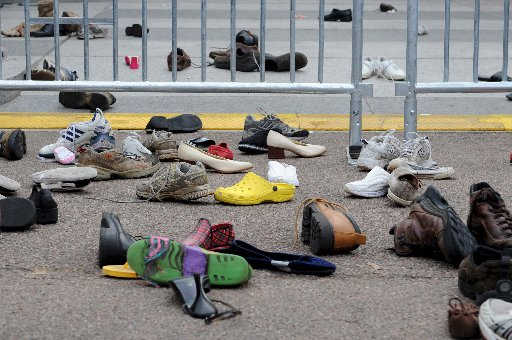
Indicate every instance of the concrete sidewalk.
{"type": "Point", "coordinates": [52, 287]}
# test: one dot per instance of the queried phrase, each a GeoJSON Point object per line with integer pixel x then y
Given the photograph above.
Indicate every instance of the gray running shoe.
{"type": "Point", "coordinates": [162, 144]}
{"type": "Point", "coordinates": [177, 181]}
{"type": "Point", "coordinates": [271, 122]}
{"type": "Point", "coordinates": [102, 140]}
{"type": "Point", "coordinates": [379, 151]}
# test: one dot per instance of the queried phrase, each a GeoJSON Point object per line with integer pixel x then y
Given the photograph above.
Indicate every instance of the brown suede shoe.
{"type": "Point", "coordinates": [463, 319]}
{"type": "Point", "coordinates": [87, 100]}
{"type": "Point", "coordinates": [183, 60]}
{"type": "Point", "coordinates": [327, 227]}
{"type": "Point", "coordinates": [45, 8]}
{"type": "Point", "coordinates": [489, 219]}
{"type": "Point", "coordinates": [433, 228]}
{"type": "Point", "coordinates": [13, 144]}
{"type": "Point", "coordinates": [111, 164]}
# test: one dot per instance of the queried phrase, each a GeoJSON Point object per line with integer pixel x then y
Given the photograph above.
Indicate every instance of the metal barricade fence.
{"type": "Point", "coordinates": [410, 88]}
{"type": "Point", "coordinates": [355, 89]}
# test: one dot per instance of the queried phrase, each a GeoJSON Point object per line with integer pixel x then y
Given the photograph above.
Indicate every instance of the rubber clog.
{"type": "Point", "coordinates": [160, 260]}
{"type": "Point", "coordinates": [253, 189]}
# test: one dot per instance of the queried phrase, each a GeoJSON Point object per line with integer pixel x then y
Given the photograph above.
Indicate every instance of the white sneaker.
{"type": "Point", "coordinates": [389, 70]}
{"type": "Point", "coordinates": [132, 146]}
{"type": "Point", "coordinates": [422, 172]}
{"type": "Point", "coordinates": [369, 68]}
{"type": "Point", "coordinates": [379, 151]}
{"type": "Point", "coordinates": [63, 155]}
{"type": "Point", "coordinates": [8, 186]}
{"type": "Point", "coordinates": [282, 173]}
{"type": "Point", "coordinates": [77, 134]}
{"type": "Point", "coordinates": [375, 184]}
{"type": "Point", "coordinates": [495, 319]}
{"type": "Point", "coordinates": [417, 150]}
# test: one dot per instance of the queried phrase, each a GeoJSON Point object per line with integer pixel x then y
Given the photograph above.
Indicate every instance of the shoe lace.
{"type": "Point", "coordinates": [275, 122]}
{"type": "Point", "coordinates": [501, 214]}
{"type": "Point", "coordinates": [308, 201]}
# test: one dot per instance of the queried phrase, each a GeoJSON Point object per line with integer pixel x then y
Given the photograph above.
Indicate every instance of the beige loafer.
{"type": "Point", "coordinates": [277, 143]}
{"type": "Point", "coordinates": [188, 152]}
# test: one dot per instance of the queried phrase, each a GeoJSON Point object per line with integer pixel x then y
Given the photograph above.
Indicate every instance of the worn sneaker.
{"type": "Point", "coordinates": [13, 144]}
{"type": "Point", "coordinates": [483, 272]}
{"type": "Point", "coordinates": [389, 70]}
{"type": "Point", "coordinates": [379, 151]}
{"type": "Point", "coordinates": [102, 140]}
{"type": "Point", "coordinates": [433, 228]}
{"type": "Point", "coordinates": [112, 164]}
{"type": "Point", "coordinates": [178, 181]}
{"type": "Point", "coordinates": [271, 122]}
{"type": "Point", "coordinates": [162, 144]}
{"type": "Point", "coordinates": [375, 184]}
{"type": "Point", "coordinates": [369, 68]}
{"type": "Point", "coordinates": [133, 147]}
{"type": "Point", "coordinates": [495, 319]}
{"type": "Point", "coordinates": [422, 172]}
{"type": "Point", "coordinates": [77, 134]}
{"type": "Point", "coordinates": [404, 186]}
{"type": "Point", "coordinates": [489, 220]}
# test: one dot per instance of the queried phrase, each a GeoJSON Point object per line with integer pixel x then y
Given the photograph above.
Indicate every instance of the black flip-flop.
{"type": "Point", "coordinates": [181, 123]}
{"type": "Point", "coordinates": [16, 214]}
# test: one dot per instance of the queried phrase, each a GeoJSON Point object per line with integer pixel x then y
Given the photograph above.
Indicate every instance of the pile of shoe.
{"type": "Point", "coordinates": [248, 56]}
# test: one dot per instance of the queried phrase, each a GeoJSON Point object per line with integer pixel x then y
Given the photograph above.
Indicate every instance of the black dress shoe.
{"type": "Point", "coordinates": [134, 30]}
{"type": "Point", "coordinates": [339, 15]}
{"type": "Point", "coordinates": [254, 141]}
{"type": "Point", "coordinates": [46, 207]}
{"type": "Point", "coordinates": [114, 241]}
{"type": "Point", "coordinates": [47, 31]}
{"type": "Point", "coordinates": [496, 77]}
{"type": "Point", "coordinates": [387, 8]}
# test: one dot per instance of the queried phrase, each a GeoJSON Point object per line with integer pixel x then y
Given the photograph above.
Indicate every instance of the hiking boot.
{"type": "Point", "coordinates": [489, 220]}
{"type": "Point", "coordinates": [495, 319]}
{"type": "Point", "coordinates": [433, 228]}
{"type": "Point", "coordinates": [77, 134]}
{"type": "Point", "coordinates": [485, 273]}
{"type": "Point", "coordinates": [112, 164]}
{"type": "Point", "coordinates": [87, 100]}
{"type": "Point", "coordinates": [379, 151]}
{"type": "Point", "coordinates": [183, 60]}
{"type": "Point", "coordinates": [328, 228]}
{"type": "Point", "coordinates": [162, 144]}
{"type": "Point", "coordinates": [375, 184]}
{"type": "Point", "coordinates": [46, 207]}
{"type": "Point", "coordinates": [271, 122]}
{"type": "Point", "coordinates": [13, 144]}
{"type": "Point", "coordinates": [177, 181]}
{"type": "Point", "coordinates": [463, 319]}
{"type": "Point", "coordinates": [404, 186]}
{"type": "Point", "coordinates": [339, 15]}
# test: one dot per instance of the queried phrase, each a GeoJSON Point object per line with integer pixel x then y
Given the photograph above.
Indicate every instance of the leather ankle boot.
{"type": "Point", "coordinates": [13, 144]}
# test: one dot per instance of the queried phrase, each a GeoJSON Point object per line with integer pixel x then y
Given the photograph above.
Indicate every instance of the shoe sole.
{"type": "Point", "coordinates": [248, 148]}
{"type": "Point", "coordinates": [17, 145]}
{"type": "Point", "coordinates": [432, 174]}
{"type": "Point", "coordinates": [167, 155]}
{"type": "Point", "coordinates": [185, 194]}
{"type": "Point", "coordinates": [222, 269]}
{"type": "Point", "coordinates": [16, 214]}
{"type": "Point", "coordinates": [283, 193]}
{"type": "Point", "coordinates": [397, 199]}
{"type": "Point", "coordinates": [366, 194]}
{"type": "Point", "coordinates": [105, 174]}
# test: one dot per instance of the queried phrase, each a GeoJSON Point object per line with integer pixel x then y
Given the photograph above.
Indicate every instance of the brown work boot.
{"type": "Point", "coordinates": [489, 220]}
{"type": "Point", "coordinates": [463, 319]}
{"type": "Point", "coordinates": [45, 8]}
{"type": "Point", "coordinates": [486, 273]}
{"type": "Point", "coordinates": [327, 227]}
{"type": "Point", "coordinates": [162, 144]}
{"type": "Point", "coordinates": [13, 144]}
{"type": "Point", "coordinates": [111, 164]}
{"type": "Point", "coordinates": [87, 100]}
{"type": "Point", "coordinates": [247, 58]}
{"type": "Point", "coordinates": [182, 62]}
{"type": "Point", "coordinates": [433, 228]}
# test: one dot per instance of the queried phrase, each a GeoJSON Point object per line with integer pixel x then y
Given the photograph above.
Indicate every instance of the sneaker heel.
{"type": "Point", "coordinates": [275, 153]}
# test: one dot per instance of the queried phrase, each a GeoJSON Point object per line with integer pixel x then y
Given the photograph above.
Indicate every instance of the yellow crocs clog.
{"type": "Point", "coordinates": [123, 271]}
{"type": "Point", "coordinates": [253, 189]}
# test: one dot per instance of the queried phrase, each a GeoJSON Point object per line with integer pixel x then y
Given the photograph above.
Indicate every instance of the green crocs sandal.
{"type": "Point", "coordinates": [161, 260]}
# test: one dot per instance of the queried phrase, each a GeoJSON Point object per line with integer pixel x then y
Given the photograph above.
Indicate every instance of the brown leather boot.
{"type": "Point", "coordinates": [247, 58]}
{"type": "Point", "coordinates": [13, 144]}
{"type": "Point", "coordinates": [87, 100]}
{"type": "Point", "coordinates": [463, 319]}
{"type": "Point", "coordinates": [433, 228]}
{"type": "Point", "coordinates": [489, 220]}
{"type": "Point", "coordinates": [327, 227]}
{"type": "Point", "coordinates": [70, 28]}
{"type": "Point", "coordinates": [182, 62]}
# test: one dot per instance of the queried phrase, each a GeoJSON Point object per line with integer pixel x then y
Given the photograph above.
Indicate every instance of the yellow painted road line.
{"type": "Point", "coordinates": [235, 121]}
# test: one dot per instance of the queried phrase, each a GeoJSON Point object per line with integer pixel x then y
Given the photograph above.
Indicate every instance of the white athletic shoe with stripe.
{"type": "Point", "coordinates": [77, 134]}
{"type": "Point", "coordinates": [495, 319]}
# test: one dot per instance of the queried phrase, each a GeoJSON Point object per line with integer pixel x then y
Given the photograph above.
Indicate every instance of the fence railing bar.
{"type": "Point", "coordinates": [476, 40]}
{"type": "Point", "coordinates": [56, 38]}
{"type": "Point", "coordinates": [1, 50]}
{"type": "Point", "coordinates": [262, 39]}
{"type": "Point", "coordinates": [232, 63]}
{"type": "Point", "coordinates": [115, 42]}
{"type": "Point", "coordinates": [464, 87]}
{"type": "Point", "coordinates": [410, 103]}
{"type": "Point", "coordinates": [446, 49]}
{"type": "Point", "coordinates": [506, 18]}
{"type": "Point", "coordinates": [73, 20]}
{"type": "Point", "coordinates": [356, 102]}
{"type": "Point", "coordinates": [174, 38]}
{"type": "Point", "coordinates": [85, 30]}
{"type": "Point", "coordinates": [28, 51]}
{"type": "Point", "coordinates": [203, 40]}
{"type": "Point", "coordinates": [292, 40]}
{"type": "Point", "coordinates": [321, 38]}
{"type": "Point", "coordinates": [144, 40]}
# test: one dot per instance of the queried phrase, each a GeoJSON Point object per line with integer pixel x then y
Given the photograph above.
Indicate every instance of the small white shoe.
{"type": "Point", "coordinates": [63, 155]}
{"type": "Point", "coordinates": [282, 173]}
{"type": "Point", "coordinates": [188, 152]}
{"type": "Point", "coordinates": [8, 186]}
{"type": "Point", "coordinates": [369, 68]}
{"type": "Point", "coordinates": [389, 70]}
{"type": "Point", "coordinates": [277, 143]}
{"type": "Point", "coordinates": [495, 318]}
{"type": "Point", "coordinates": [375, 184]}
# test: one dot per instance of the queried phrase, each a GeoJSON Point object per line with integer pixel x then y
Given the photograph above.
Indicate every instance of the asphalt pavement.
{"type": "Point", "coordinates": [53, 288]}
